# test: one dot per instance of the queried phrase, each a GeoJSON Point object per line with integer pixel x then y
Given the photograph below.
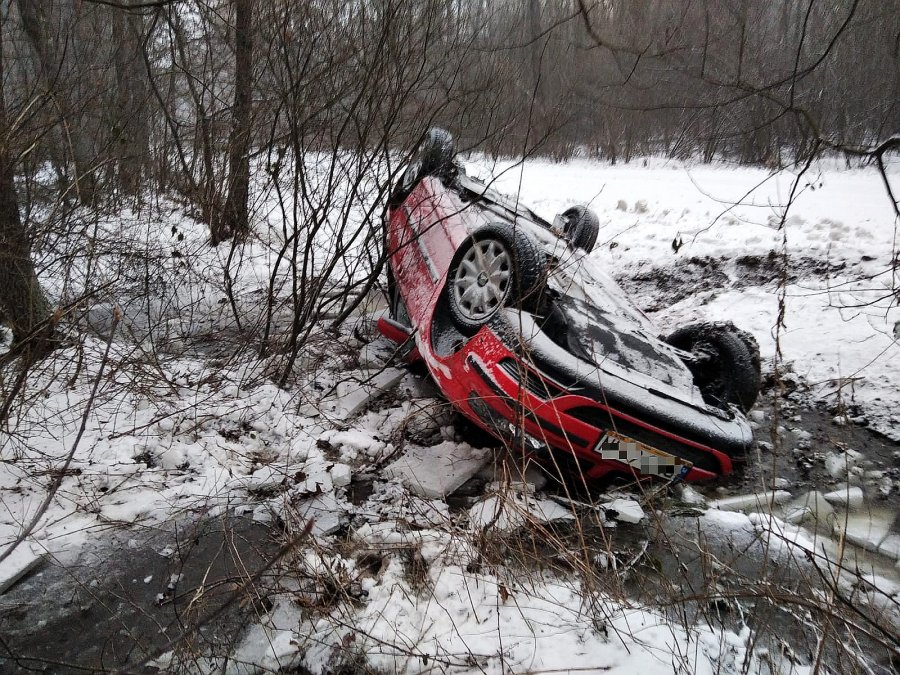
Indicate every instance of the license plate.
{"type": "Point", "coordinates": [639, 456]}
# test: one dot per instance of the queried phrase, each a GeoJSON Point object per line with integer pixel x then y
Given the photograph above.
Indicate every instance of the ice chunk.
{"type": "Point", "coordinates": [852, 497]}
{"type": "Point", "coordinates": [357, 391]}
{"type": "Point", "coordinates": [751, 501]}
{"type": "Point", "coordinates": [866, 530]}
{"type": "Point", "coordinates": [839, 464]}
{"type": "Point", "coordinates": [811, 507]}
{"type": "Point", "coordinates": [340, 475]}
{"type": "Point", "coordinates": [627, 510]}
{"type": "Point", "coordinates": [376, 353]}
{"type": "Point", "coordinates": [690, 496]}
{"type": "Point", "coordinates": [510, 510]}
{"type": "Point", "coordinates": [21, 561]}
{"type": "Point", "coordinates": [890, 546]}
{"type": "Point", "coordinates": [327, 512]}
{"type": "Point", "coordinates": [437, 471]}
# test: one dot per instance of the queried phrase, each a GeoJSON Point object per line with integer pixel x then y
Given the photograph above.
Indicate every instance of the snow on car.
{"type": "Point", "coordinates": [533, 342]}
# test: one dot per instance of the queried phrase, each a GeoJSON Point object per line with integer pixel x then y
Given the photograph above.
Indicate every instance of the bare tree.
{"type": "Point", "coordinates": [38, 22]}
{"type": "Point", "coordinates": [131, 133]}
{"type": "Point", "coordinates": [22, 302]}
{"type": "Point", "coordinates": [233, 221]}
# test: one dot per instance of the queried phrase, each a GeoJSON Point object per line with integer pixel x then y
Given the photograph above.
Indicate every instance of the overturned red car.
{"type": "Point", "coordinates": [533, 342]}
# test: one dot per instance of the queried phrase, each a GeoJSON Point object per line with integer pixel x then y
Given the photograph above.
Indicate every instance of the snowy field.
{"type": "Point", "coordinates": [149, 419]}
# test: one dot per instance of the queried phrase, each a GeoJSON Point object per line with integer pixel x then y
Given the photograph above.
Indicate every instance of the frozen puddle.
{"type": "Point", "coordinates": [836, 517]}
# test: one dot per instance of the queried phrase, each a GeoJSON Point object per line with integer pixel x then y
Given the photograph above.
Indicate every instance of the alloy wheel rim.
{"type": "Point", "coordinates": [482, 280]}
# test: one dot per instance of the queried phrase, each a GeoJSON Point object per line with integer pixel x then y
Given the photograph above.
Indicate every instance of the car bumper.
{"type": "Point", "coordinates": [504, 392]}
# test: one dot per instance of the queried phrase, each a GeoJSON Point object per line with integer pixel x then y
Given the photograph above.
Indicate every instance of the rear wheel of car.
{"type": "Point", "coordinates": [498, 266]}
{"type": "Point", "coordinates": [433, 157]}
{"type": "Point", "coordinates": [581, 227]}
{"type": "Point", "coordinates": [724, 360]}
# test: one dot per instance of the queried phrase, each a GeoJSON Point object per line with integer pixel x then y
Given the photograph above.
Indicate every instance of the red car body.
{"type": "Point", "coordinates": [509, 377]}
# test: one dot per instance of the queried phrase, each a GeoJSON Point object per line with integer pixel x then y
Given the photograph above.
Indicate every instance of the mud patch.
{"type": "Point", "coordinates": [660, 287]}
{"type": "Point", "coordinates": [792, 450]}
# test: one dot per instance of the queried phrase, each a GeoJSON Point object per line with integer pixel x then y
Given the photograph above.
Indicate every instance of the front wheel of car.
{"type": "Point", "coordinates": [497, 266]}
{"type": "Point", "coordinates": [433, 156]}
{"type": "Point", "coordinates": [581, 227]}
{"type": "Point", "coordinates": [724, 361]}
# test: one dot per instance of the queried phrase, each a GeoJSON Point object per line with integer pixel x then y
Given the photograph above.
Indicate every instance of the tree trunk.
{"type": "Point", "coordinates": [35, 22]}
{"type": "Point", "coordinates": [131, 126]}
{"type": "Point", "coordinates": [234, 221]}
{"type": "Point", "coordinates": [22, 303]}
{"type": "Point", "coordinates": [209, 195]}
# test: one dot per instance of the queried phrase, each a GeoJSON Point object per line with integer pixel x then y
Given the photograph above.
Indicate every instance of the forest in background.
{"type": "Point", "coordinates": [108, 103]}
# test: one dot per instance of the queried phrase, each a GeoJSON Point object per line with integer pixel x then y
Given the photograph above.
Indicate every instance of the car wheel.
{"type": "Point", "coordinates": [580, 227]}
{"type": "Point", "coordinates": [433, 157]}
{"type": "Point", "coordinates": [498, 266]}
{"type": "Point", "coordinates": [724, 360]}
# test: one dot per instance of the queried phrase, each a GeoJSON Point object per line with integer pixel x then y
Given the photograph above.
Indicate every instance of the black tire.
{"type": "Point", "coordinates": [527, 275]}
{"type": "Point", "coordinates": [581, 227]}
{"type": "Point", "coordinates": [433, 157]}
{"type": "Point", "coordinates": [725, 364]}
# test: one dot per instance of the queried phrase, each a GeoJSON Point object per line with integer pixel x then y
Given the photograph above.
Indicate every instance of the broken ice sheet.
{"type": "Point", "coordinates": [511, 510]}
{"type": "Point", "coordinates": [17, 564]}
{"type": "Point", "coordinates": [327, 512]}
{"type": "Point", "coordinates": [626, 510]}
{"type": "Point", "coordinates": [356, 391]}
{"type": "Point", "coordinates": [437, 471]}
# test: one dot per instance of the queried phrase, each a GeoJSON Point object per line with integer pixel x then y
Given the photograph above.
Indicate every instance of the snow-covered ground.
{"type": "Point", "coordinates": [401, 580]}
